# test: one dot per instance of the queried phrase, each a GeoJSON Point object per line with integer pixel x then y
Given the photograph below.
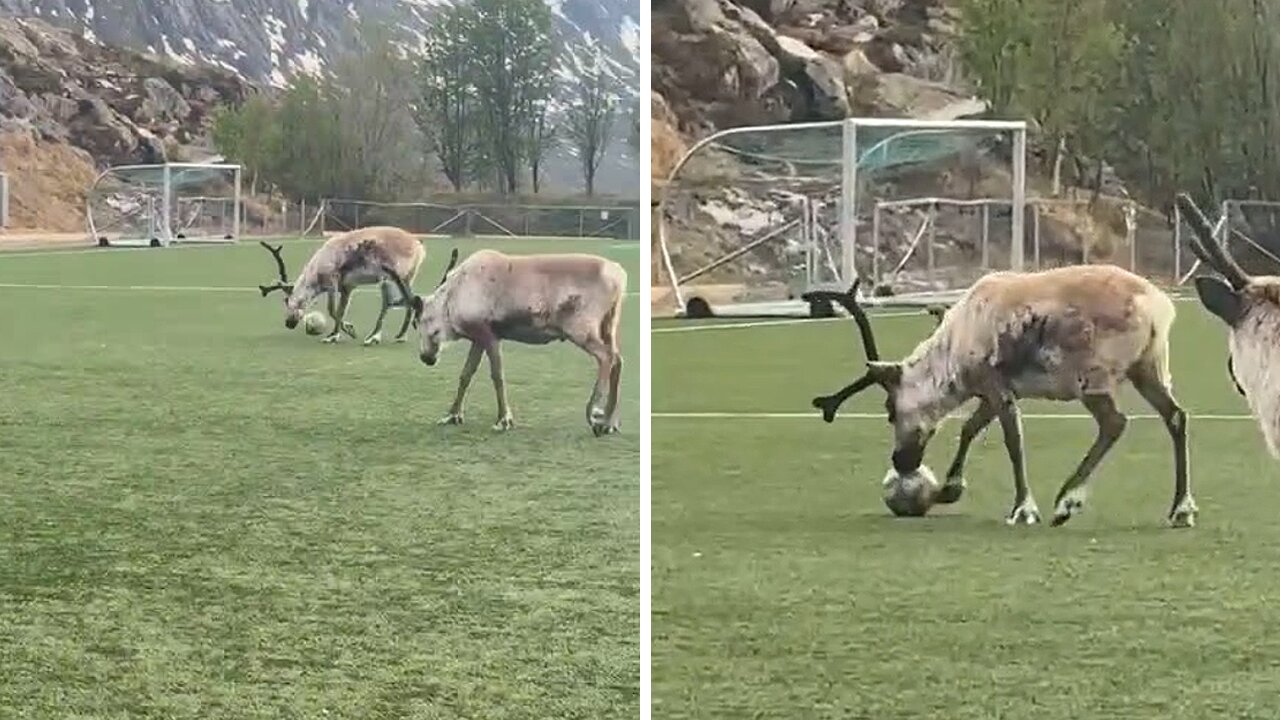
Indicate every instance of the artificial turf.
{"type": "Point", "coordinates": [204, 515]}
{"type": "Point", "coordinates": [782, 587]}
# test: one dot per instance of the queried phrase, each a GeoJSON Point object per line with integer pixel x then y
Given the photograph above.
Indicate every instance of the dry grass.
{"type": "Point", "coordinates": [47, 183]}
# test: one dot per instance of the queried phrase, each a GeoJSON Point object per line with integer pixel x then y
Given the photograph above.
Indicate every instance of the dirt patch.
{"type": "Point", "coordinates": [47, 183]}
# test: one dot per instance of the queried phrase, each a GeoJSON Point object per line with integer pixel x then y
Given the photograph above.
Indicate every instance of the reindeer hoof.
{"type": "Point", "coordinates": [349, 329]}
{"type": "Point", "coordinates": [1066, 510]}
{"type": "Point", "coordinates": [504, 424]}
{"type": "Point", "coordinates": [373, 339]}
{"type": "Point", "coordinates": [400, 339]}
{"type": "Point", "coordinates": [450, 419]}
{"type": "Point", "coordinates": [1183, 514]}
{"type": "Point", "coordinates": [827, 405]}
{"type": "Point", "coordinates": [950, 491]}
{"type": "Point", "coordinates": [1025, 514]}
{"type": "Point", "coordinates": [601, 429]}
{"type": "Point", "coordinates": [330, 338]}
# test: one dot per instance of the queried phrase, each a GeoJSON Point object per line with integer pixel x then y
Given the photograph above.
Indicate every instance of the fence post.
{"type": "Point", "coordinates": [875, 243]}
{"type": "Point", "coordinates": [986, 236]}
{"type": "Point", "coordinates": [1177, 243]}
{"type": "Point", "coordinates": [933, 231]}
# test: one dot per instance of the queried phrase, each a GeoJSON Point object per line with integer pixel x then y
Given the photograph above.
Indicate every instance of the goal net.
{"type": "Point", "coordinates": [752, 218]}
{"type": "Point", "coordinates": [549, 221]}
{"type": "Point", "coordinates": [159, 205]}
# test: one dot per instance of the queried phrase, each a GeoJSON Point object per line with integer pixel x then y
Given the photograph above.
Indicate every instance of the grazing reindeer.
{"type": "Point", "coordinates": [1073, 333]}
{"type": "Point", "coordinates": [1250, 306]}
{"type": "Point", "coordinates": [343, 263]}
{"type": "Point", "coordinates": [532, 299]}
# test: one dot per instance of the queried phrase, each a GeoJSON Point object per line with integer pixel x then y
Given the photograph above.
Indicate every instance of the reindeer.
{"type": "Point", "coordinates": [1073, 333]}
{"type": "Point", "coordinates": [343, 263]}
{"type": "Point", "coordinates": [1250, 306]}
{"type": "Point", "coordinates": [531, 299]}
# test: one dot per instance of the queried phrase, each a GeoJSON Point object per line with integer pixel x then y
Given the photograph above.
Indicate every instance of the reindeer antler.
{"type": "Point", "coordinates": [453, 261]}
{"type": "Point", "coordinates": [829, 404]}
{"type": "Point", "coordinates": [1207, 247]}
{"type": "Point", "coordinates": [283, 285]}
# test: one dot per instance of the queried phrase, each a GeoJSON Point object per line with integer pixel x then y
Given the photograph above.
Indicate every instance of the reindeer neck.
{"type": "Point", "coordinates": [932, 381]}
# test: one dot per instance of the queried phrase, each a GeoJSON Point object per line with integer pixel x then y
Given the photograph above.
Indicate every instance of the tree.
{"type": "Point", "coordinates": [593, 109]}
{"type": "Point", "coordinates": [513, 71]}
{"type": "Point", "coordinates": [541, 139]}
{"type": "Point", "coordinates": [247, 135]}
{"type": "Point", "coordinates": [446, 111]}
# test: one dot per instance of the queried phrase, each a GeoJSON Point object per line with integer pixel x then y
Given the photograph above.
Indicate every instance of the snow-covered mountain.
{"type": "Point", "coordinates": [267, 41]}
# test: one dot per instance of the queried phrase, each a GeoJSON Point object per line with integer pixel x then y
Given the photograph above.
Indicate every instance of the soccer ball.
{"type": "Point", "coordinates": [315, 322]}
{"type": "Point", "coordinates": [910, 495]}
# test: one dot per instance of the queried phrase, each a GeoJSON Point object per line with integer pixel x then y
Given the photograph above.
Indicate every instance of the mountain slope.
{"type": "Point", "coordinates": [268, 41]}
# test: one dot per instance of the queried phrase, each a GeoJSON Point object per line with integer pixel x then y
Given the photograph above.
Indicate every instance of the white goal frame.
{"type": "Point", "coordinates": [848, 234]}
{"type": "Point", "coordinates": [4, 201]}
{"type": "Point", "coordinates": [161, 220]}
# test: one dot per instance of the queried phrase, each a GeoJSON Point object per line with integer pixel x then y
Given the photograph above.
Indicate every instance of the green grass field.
{"type": "Point", "coordinates": [204, 515]}
{"type": "Point", "coordinates": [784, 589]}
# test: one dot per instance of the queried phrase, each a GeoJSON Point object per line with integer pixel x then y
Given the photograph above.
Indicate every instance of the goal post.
{"type": "Point", "coordinates": [751, 218]}
{"type": "Point", "coordinates": [164, 204]}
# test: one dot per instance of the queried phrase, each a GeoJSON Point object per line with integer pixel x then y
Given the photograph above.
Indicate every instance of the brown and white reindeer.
{"type": "Point", "coordinates": [1073, 333]}
{"type": "Point", "coordinates": [343, 263]}
{"type": "Point", "coordinates": [531, 299]}
{"type": "Point", "coordinates": [1250, 306]}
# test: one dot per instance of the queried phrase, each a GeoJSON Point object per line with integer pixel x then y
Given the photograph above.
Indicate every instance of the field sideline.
{"type": "Point", "coordinates": [206, 515]}
{"type": "Point", "coordinates": [784, 589]}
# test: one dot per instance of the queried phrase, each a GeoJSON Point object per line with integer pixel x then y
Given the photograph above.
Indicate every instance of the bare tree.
{"type": "Point", "coordinates": [592, 113]}
{"type": "Point", "coordinates": [446, 108]}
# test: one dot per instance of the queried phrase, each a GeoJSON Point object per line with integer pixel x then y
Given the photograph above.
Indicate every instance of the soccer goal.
{"type": "Point", "coordinates": [160, 205]}
{"type": "Point", "coordinates": [4, 201]}
{"type": "Point", "coordinates": [752, 218]}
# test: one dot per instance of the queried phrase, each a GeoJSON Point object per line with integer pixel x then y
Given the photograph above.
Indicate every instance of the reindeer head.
{"type": "Point", "coordinates": [1250, 307]}
{"type": "Point", "coordinates": [429, 313]}
{"type": "Point", "coordinates": [292, 305]}
{"type": "Point", "coordinates": [912, 408]}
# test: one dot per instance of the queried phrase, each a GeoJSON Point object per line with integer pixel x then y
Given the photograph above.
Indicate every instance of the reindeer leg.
{"type": "Point", "coordinates": [615, 384]}
{"type": "Point", "coordinates": [339, 324]}
{"type": "Point", "coordinates": [375, 335]}
{"type": "Point", "coordinates": [464, 381]}
{"type": "Point", "coordinates": [494, 350]}
{"type": "Point", "coordinates": [1025, 511]}
{"type": "Point", "coordinates": [973, 427]}
{"type": "Point", "coordinates": [1157, 394]}
{"type": "Point", "coordinates": [408, 318]}
{"type": "Point", "coordinates": [1111, 424]}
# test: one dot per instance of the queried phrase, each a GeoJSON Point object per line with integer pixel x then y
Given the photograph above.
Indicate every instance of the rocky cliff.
{"type": "Point", "coordinates": [69, 103]}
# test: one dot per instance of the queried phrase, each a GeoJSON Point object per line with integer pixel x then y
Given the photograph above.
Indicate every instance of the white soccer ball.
{"type": "Point", "coordinates": [910, 495]}
{"type": "Point", "coordinates": [315, 322]}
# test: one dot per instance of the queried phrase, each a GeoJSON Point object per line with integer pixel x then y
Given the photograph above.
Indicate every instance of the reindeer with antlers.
{"type": "Point", "coordinates": [1250, 307]}
{"type": "Point", "coordinates": [343, 263]}
{"type": "Point", "coordinates": [531, 299]}
{"type": "Point", "coordinates": [1073, 333]}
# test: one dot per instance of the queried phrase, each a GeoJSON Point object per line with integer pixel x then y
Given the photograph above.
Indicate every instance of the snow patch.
{"type": "Point", "coordinates": [308, 62]}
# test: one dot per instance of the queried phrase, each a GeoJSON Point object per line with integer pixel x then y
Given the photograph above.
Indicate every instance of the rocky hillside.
{"type": "Point", "coordinates": [268, 41]}
{"type": "Point", "coordinates": [69, 103]}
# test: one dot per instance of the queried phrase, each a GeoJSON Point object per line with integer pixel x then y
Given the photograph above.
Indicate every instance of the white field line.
{"type": "Point", "coordinates": [803, 321]}
{"type": "Point", "coordinates": [147, 288]}
{"type": "Point", "coordinates": [880, 416]}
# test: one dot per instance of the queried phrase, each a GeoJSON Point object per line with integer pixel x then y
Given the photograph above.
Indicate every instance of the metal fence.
{"type": "Point", "coordinates": [619, 222]}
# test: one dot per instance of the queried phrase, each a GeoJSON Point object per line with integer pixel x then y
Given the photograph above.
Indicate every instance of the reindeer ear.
{"type": "Point", "coordinates": [1220, 299]}
{"type": "Point", "coordinates": [417, 305]}
{"type": "Point", "coordinates": [887, 374]}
